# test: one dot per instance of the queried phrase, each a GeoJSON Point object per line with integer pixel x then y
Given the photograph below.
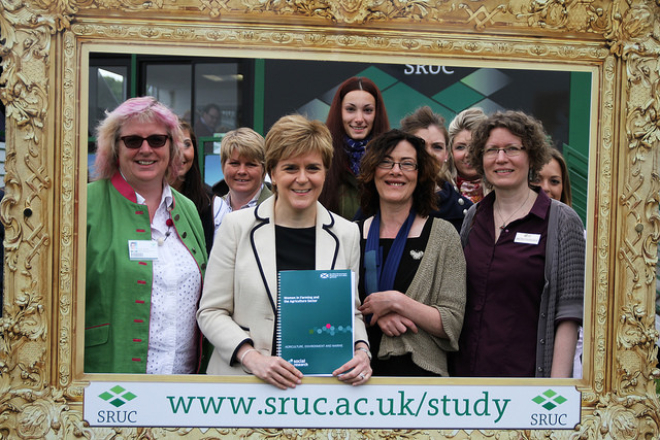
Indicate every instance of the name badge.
{"type": "Point", "coordinates": [522, 237]}
{"type": "Point", "coordinates": [142, 250]}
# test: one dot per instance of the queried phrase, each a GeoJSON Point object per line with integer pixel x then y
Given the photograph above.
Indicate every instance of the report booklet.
{"type": "Point", "coordinates": [315, 319]}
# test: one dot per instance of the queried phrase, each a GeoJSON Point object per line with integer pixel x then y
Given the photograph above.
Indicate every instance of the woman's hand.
{"type": "Point", "coordinates": [380, 304]}
{"type": "Point", "coordinates": [413, 314]}
{"type": "Point", "coordinates": [394, 324]}
{"type": "Point", "coordinates": [356, 371]}
{"type": "Point", "coordinates": [272, 369]}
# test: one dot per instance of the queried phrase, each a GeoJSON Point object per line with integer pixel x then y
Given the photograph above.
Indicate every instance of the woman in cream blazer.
{"type": "Point", "coordinates": [239, 302]}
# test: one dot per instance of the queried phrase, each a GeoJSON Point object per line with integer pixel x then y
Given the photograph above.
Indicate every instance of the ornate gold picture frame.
{"type": "Point", "coordinates": [45, 51]}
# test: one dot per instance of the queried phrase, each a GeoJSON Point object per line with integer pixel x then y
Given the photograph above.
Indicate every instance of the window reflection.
{"type": "Point", "coordinates": [170, 84]}
{"type": "Point", "coordinates": [108, 87]}
{"type": "Point", "coordinates": [191, 87]}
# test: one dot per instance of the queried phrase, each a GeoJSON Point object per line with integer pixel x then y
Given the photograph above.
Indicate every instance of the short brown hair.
{"type": "Point", "coordinates": [424, 197]}
{"type": "Point", "coordinates": [293, 135]}
{"type": "Point", "coordinates": [421, 119]}
{"type": "Point", "coordinates": [527, 128]}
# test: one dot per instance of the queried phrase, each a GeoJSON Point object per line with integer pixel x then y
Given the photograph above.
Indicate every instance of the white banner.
{"type": "Point", "coordinates": [331, 406]}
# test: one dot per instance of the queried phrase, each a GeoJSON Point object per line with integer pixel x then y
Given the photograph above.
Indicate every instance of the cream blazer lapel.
{"type": "Point", "coordinates": [262, 238]}
{"type": "Point", "coordinates": [263, 244]}
{"type": "Point", "coordinates": [327, 243]}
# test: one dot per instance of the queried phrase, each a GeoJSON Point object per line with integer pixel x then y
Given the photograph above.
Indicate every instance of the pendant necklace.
{"type": "Point", "coordinates": [507, 221]}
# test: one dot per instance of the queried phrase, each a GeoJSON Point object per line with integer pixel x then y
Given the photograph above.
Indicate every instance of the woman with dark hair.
{"type": "Point", "coordinates": [412, 280]}
{"type": "Point", "coordinates": [553, 178]}
{"type": "Point", "coordinates": [430, 126]}
{"type": "Point", "coordinates": [145, 248]}
{"type": "Point", "coordinates": [525, 261]}
{"type": "Point", "coordinates": [356, 115]}
{"type": "Point", "coordinates": [189, 183]}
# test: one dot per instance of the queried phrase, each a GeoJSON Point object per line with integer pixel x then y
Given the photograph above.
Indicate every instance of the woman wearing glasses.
{"type": "Point", "coordinates": [525, 261]}
{"type": "Point", "coordinates": [412, 280]}
{"type": "Point", "coordinates": [145, 248]}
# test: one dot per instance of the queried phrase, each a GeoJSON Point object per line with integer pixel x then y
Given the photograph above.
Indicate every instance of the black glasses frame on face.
{"type": "Point", "coordinates": [155, 140]}
{"type": "Point", "coordinates": [403, 166]}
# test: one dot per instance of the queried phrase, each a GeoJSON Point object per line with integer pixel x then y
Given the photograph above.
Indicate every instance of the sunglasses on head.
{"type": "Point", "coordinates": [154, 140]}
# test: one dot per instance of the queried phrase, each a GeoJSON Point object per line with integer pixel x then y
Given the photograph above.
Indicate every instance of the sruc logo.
{"type": "Point", "coordinates": [116, 396]}
{"type": "Point", "coordinates": [549, 400]}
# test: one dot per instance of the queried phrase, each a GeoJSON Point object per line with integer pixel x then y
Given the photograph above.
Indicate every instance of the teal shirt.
{"type": "Point", "coordinates": [118, 290]}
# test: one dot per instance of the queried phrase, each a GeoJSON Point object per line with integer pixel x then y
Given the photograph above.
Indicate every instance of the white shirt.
{"type": "Point", "coordinates": [220, 209]}
{"type": "Point", "coordinates": [227, 208]}
{"type": "Point", "coordinates": [175, 292]}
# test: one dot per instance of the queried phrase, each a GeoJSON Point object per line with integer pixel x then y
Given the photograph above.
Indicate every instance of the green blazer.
{"type": "Point", "coordinates": [118, 290]}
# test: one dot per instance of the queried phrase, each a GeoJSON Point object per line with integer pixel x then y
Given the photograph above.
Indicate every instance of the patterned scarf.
{"type": "Point", "coordinates": [355, 150]}
{"type": "Point", "coordinates": [472, 189]}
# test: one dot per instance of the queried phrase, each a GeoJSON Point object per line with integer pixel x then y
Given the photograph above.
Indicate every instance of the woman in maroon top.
{"type": "Point", "coordinates": [525, 261]}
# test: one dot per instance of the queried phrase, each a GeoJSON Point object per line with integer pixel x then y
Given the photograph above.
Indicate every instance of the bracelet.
{"type": "Point", "coordinates": [243, 357]}
{"type": "Point", "coordinates": [366, 350]}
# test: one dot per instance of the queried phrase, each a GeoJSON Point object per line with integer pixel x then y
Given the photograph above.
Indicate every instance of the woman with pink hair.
{"type": "Point", "coordinates": [145, 248]}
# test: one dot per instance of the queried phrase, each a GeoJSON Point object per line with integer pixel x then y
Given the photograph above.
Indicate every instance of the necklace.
{"type": "Point", "coordinates": [507, 221]}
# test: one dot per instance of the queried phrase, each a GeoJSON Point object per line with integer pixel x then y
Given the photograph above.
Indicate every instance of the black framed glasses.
{"type": "Point", "coordinates": [406, 165]}
{"type": "Point", "coordinates": [155, 140]}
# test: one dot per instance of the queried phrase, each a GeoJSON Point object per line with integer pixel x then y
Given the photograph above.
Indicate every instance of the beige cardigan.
{"type": "Point", "coordinates": [440, 283]}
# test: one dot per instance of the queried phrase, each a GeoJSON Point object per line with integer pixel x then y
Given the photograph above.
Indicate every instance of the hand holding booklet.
{"type": "Point", "coordinates": [315, 319]}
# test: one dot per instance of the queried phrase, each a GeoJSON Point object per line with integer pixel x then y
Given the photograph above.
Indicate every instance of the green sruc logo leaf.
{"type": "Point", "coordinates": [549, 400]}
{"type": "Point", "coordinates": [117, 396]}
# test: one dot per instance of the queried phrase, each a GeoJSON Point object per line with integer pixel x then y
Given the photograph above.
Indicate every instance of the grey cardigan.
{"type": "Point", "coordinates": [563, 292]}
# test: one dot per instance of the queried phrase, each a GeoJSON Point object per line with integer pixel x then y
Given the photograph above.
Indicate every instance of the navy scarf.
{"type": "Point", "coordinates": [379, 277]}
{"type": "Point", "coordinates": [355, 150]}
